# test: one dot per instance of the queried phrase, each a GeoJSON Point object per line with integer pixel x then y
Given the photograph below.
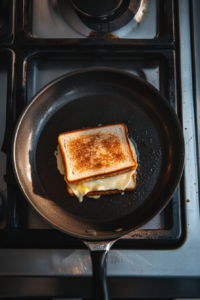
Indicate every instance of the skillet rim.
{"type": "Point", "coordinates": [116, 71]}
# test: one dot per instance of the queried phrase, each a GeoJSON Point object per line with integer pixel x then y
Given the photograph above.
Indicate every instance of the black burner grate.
{"type": "Point", "coordinates": [7, 22]}
{"type": "Point", "coordinates": [106, 16]}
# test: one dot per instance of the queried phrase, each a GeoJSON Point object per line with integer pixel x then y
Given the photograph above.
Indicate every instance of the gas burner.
{"type": "Point", "coordinates": [74, 22]}
{"type": "Point", "coordinates": [97, 9]}
{"type": "Point", "coordinates": [106, 16]}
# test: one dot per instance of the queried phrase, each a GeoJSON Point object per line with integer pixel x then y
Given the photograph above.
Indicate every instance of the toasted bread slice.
{"type": "Point", "coordinates": [96, 152]}
{"type": "Point", "coordinates": [130, 187]}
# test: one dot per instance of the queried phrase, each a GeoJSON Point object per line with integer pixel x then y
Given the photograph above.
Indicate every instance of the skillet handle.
{"type": "Point", "coordinates": [99, 285]}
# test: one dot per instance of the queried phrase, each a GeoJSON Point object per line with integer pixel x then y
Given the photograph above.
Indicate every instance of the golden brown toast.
{"type": "Point", "coordinates": [96, 152]}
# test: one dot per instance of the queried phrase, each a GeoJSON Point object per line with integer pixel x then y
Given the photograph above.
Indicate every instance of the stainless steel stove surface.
{"type": "Point", "coordinates": [56, 22]}
{"type": "Point", "coordinates": [164, 254]}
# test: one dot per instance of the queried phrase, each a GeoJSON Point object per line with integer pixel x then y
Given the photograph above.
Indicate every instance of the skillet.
{"type": "Point", "coordinates": [86, 98]}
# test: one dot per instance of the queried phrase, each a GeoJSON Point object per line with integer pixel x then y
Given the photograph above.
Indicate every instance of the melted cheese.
{"type": "Point", "coordinates": [60, 161]}
{"type": "Point", "coordinates": [94, 197]}
{"type": "Point", "coordinates": [118, 182]}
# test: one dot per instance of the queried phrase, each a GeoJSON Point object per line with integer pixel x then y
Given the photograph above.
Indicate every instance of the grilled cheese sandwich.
{"type": "Point", "coordinates": [96, 152]}
{"type": "Point", "coordinates": [104, 185]}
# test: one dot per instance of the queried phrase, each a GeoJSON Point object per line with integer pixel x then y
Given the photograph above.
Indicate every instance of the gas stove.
{"type": "Point", "coordinates": [55, 37]}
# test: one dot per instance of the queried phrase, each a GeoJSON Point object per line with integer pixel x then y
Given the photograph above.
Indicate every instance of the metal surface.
{"type": "Point", "coordinates": [94, 246]}
{"type": "Point", "coordinates": [65, 23]}
{"type": "Point", "coordinates": [45, 68]}
{"type": "Point", "coordinates": [195, 8]}
{"type": "Point", "coordinates": [112, 22]}
{"type": "Point", "coordinates": [101, 9]}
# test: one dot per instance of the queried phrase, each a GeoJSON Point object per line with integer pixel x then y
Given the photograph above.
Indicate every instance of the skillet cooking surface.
{"type": "Point", "coordinates": [87, 98]}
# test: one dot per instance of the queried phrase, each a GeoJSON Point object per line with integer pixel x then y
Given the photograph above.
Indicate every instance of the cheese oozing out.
{"type": "Point", "coordinates": [117, 182]}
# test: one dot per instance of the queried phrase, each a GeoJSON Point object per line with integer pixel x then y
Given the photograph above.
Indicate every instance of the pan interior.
{"type": "Point", "coordinates": [100, 98]}
{"type": "Point", "coordinates": [89, 111]}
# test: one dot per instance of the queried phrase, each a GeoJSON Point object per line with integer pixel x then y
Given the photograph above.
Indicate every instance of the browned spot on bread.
{"type": "Point", "coordinates": [96, 151]}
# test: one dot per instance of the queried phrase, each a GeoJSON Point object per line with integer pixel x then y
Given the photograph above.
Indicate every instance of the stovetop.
{"type": "Point", "coordinates": [37, 67]}
{"type": "Point", "coordinates": [49, 45]}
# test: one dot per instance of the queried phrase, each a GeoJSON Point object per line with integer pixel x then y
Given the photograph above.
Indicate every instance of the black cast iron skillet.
{"type": "Point", "coordinates": [85, 98]}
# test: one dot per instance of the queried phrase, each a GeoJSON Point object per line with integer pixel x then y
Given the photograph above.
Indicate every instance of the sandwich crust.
{"type": "Point", "coordinates": [97, 153]}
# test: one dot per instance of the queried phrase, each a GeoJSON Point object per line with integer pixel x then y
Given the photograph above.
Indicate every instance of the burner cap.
{"type": "Point", "coordinates": [97, 8]}
{"type": "Point", "coordinates": [106, 16]}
